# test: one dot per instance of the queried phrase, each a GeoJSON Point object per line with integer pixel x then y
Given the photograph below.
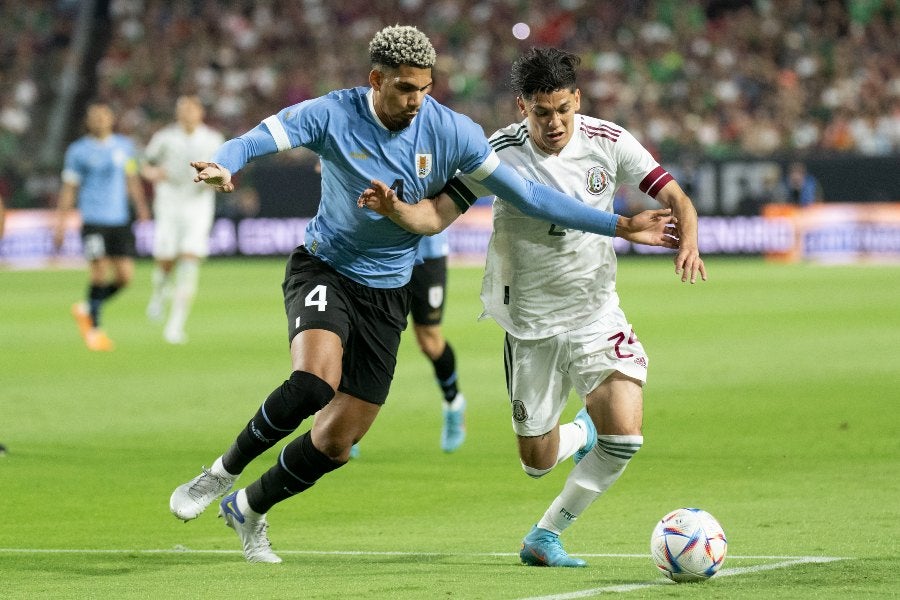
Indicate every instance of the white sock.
{"type": "Point", "coordinates": [244, 506]}
{"type": "Point", "coordinates": [571, 437]}
{"type": "Point", "coordinates": [161, 284]}
{"type": "Point", "coordinates": [591, 477]}
{"type": "Point", "coordinates": [187, 273]}
{"type": "Point", "coordinates": [218, 468]}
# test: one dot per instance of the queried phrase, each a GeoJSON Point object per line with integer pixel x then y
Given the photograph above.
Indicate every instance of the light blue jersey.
{"type": "Point", "coordinates": [434, 246]}
{"type": "Point", "coordinates": [99, 168]}
{"type": "Point", "coordinates": [417, 162]}
{"type": "Point", "coordinates": [355, 148]}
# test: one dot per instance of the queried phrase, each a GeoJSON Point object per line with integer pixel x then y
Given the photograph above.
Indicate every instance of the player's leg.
{"type": "Point", "coordinates": [300, 465]}
{"type": "Point", "coordinates": [611, 354]}
{"type": "Point", "coordinates": [194, 225]}
{"type": "Point", "coordinates": [165, 251]}
{"type": "Point", "coordinates": [160, 289]}
{"type": "Point", "coordinates": [370, 351]}
{"type": "Point", "coordinates": [317, 341]}
{"type": "Point", "coordinates": [187, 275]}
{"type": "Point", "coordinates": [538, 388]}
{"type": "Point", "coordinates": [428, 287]}
{"type": "Point", "coordinates": [616, 409]}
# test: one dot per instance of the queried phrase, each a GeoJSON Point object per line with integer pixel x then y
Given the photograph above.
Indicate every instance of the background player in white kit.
{"type": "Point", "coordinates": [183, 213]}
{"type": "Point", "coordinates": [553, 292]}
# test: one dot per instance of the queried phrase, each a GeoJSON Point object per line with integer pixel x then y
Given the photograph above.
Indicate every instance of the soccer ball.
{"type": "Point", "coordinates": [688, 544]}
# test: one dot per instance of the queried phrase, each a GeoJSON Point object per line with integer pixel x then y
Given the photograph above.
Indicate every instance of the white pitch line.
{"type": "Point", "coordinates": [183, 550]}
{"type": "Point", "coordinates": [630, 587]}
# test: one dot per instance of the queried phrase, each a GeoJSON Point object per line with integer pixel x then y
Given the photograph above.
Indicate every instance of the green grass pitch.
{"type": "Point", "coordinates": [772, 403]}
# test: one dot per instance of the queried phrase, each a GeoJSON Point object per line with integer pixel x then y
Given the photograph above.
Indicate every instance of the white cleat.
{"type": "Point", "coordinates": [176, 338]}
{"type": "Point", "coordinates": [190, 499]}
{"type": "Point", "coordinates": [252, 532]}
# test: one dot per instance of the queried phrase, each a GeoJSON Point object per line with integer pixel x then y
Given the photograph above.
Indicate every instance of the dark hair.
{"type": "Point", "coordinates": [543, 70]}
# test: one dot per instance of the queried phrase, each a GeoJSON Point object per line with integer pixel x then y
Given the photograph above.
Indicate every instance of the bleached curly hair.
{"type": "Point", "coordinates": [401, 45]}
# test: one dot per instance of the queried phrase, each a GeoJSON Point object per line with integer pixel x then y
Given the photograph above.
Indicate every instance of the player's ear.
{"type": "Point", "coordinates": [521, 104]}
{"type": "Point", "coordinates": [376, 78]}
{"type": "Point", "coordinates": [577, 94]}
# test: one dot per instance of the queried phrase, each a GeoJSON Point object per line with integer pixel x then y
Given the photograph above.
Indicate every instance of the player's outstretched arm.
{"type": "Point", "coordinates": [427, 217]}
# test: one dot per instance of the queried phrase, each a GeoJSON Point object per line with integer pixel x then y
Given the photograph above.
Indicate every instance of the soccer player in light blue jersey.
{"type": "Point", "coordinates": [100, 171]}
{"type": "Point", "coordinates": [345, 289]}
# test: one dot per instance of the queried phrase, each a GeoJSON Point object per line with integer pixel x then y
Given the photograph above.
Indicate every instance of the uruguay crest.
{"type": "Point", "coordinates": [597, 180]}
{"type": "Point", "coordinates": [423, 165]}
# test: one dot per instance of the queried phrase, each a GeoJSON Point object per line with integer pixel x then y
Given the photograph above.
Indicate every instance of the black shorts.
{"type": "Point", "coordinates": [101, 241]}
{"type": "Point", "coordinates": [368, 320]}
{"type": "Point", "coordinates": [427, 287]}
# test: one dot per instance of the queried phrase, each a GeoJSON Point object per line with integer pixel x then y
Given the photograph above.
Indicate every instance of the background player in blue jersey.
{"type": "Point", "coordinates": [100, 170]}
{"type": "Point", "coordinates": [428, 290]}
{"type": "Point", "coordinates": [428, 294]}
{"type": "Point", "coordinates": [345, 290]}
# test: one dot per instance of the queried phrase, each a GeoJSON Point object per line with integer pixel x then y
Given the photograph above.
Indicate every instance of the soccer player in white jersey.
{"type": "Point", "coordinates": [345, 292]}
{"type": "Point", "coordinates": [183, 213]}
{"type": "Point", "coordinates": [100, 174]}
{"type": "Point", "coordinates": [552, 289]}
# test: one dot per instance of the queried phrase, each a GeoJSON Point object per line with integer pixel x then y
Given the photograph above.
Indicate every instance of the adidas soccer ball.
{"type": "Point", "coordinates": [688, 544]}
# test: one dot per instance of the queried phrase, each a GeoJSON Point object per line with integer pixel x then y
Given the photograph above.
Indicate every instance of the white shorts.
{"type": "Point", "coordinates": [541, 373]}
{"type": "Point", "coordinates": [179, 230]}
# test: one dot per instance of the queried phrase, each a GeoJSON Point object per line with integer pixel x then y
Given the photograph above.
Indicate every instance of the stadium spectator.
{"type": "Point", "coordinates": [801, 187]}
{"type": "Point", "coordinates": [716, 79]}
{"type": "Point", "coordinates": [183, 214]}
{"type": "Point", "coordinates": [101, 173]}
{"type": "Point", "coordinates": [553, 292]}
{"type": "Point", "coordinates": [345, 290]}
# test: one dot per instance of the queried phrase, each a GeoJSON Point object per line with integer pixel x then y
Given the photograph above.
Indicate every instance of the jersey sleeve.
{"type": "Point", "coordinates": [302, 124]}
{"type": "Point", "coordinates": [638, 167]}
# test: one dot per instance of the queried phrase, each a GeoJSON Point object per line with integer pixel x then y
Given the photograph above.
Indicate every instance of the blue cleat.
{"type": "Point", "coordinates": [585, 419]}
{"type": "Point", "coordinates": [542, 548]}
{"type": "Point", "coordinates": [453, 434]}
{"type": "Point", "coordinates": [251, 531]}
{"type": "Point", "coordinates": [354, 451]}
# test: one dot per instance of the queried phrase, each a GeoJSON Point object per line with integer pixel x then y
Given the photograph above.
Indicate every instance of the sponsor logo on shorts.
{"type": "Point", "coordinates": [641, 361]}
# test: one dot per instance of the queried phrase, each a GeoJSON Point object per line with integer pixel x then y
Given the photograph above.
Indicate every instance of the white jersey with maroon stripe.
{"type": "Point", "coordinates": [541, 280]}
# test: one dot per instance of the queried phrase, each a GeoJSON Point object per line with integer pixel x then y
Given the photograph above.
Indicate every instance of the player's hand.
{"type": "Point", "coordinates": [379, 198]}
{"type": "Point", "coordinates": [688, 264]}
{"type": "Point", "coordinates": [651, 228]}
{"type": "Point", "coordinates": [214, 175]}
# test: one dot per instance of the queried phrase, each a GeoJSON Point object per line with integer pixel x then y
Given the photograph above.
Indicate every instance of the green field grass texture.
{"type": "Point", "coordinates": [771, 403]}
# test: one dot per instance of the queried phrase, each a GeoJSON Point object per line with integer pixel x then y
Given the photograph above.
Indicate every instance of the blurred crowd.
{"type": "Point", "coordinates": [711, 79]}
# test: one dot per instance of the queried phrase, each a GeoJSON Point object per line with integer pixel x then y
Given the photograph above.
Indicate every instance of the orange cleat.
{"type": "Point", "coordinates": [98, 341]}
{"type": "Point", "coordinates": [82, 319]}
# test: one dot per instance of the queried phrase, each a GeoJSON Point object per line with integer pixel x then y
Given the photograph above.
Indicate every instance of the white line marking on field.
{"type": "Point", "coordinates": [630, 587]}
{"type": "Point", "coordinates": [184, 550]}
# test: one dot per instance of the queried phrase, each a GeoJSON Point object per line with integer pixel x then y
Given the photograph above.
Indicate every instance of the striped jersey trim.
{"type": "Point", "coordinates": [510, 140]}
{"type": "Point", "coordinates": [655, 181]}
{"type": "Point", "coordinates": [282, 141]}
{"type": "Point", "coordinates": [460, 194]}
{"type": "Point", "coordinates": [604, 131]}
